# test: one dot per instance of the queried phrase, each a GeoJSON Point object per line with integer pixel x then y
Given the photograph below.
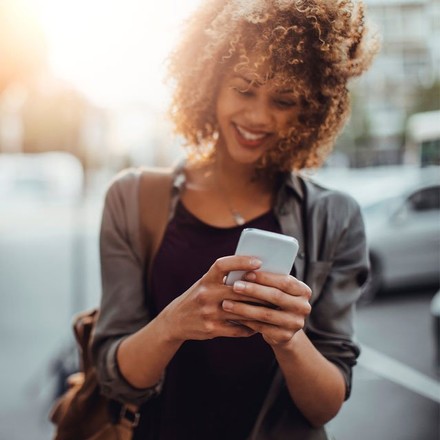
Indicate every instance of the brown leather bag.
{"type": "Point", "coordinates": [82, 412]}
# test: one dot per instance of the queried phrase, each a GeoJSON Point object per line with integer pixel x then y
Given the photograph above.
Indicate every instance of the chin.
{"type": "Point", "coordinates": [246, 158]}
{"type": "Point", "coordinates": [242, 154]}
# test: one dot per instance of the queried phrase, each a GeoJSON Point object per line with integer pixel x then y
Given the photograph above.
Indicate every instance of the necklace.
{"type": "Point", "coordinates": [238, 218]}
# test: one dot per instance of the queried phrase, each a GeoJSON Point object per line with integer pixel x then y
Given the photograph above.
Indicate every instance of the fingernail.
{"type": "Point", "coordinates": [239, 285]}
{"type": "Point", "coordinates": [251, 276]}
{"type": "Point", "coordinates": [227, 305]}
{"type": "Point", "coordinates": [255, 262]}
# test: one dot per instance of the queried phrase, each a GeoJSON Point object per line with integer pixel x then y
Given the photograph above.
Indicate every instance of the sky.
{"type": "Point", "coordinates": [112, 50]}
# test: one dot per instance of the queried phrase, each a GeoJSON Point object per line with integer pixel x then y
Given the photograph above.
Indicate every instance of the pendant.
{"type": "Point", "coordinates": [238, 218]}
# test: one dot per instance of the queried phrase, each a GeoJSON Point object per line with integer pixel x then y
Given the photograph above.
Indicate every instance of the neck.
{"type": "Point", "coordinates": [230, 189]}
{"type": "Point", "coordinates": [238, 185]}
{"type": "Point", "coordinates": [236, 177]}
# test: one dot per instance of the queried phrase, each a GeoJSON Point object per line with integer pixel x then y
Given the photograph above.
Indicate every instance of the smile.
{"type": "Point", "coordinates": [250, 138]}
{"type": "Point", "coordinates": [249, 135]}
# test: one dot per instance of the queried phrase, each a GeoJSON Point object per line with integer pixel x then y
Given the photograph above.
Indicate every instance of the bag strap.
{"type": "Point", "coordinates": [154, 202]}
{"type": "Point", "coordinates": [83, 325]}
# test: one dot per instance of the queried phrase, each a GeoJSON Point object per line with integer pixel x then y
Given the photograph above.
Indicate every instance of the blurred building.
{"type": "Point", "coordinates": [405, 73]}
{"type": "Point", "coordinates": [40, 113]}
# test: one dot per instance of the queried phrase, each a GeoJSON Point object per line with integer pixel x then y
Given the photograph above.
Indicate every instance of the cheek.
{"type": "Point", "coordinates": [229, 103]}
{"type": "Point", "coordinates": [223, 110]}
{"type": "Point", "coordinates": [286, 123]}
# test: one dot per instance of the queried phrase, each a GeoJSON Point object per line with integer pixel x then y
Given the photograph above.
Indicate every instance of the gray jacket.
{"type": "Point", "coordinates": [332, 260]}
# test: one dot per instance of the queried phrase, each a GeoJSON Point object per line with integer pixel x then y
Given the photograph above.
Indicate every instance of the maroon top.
{"type": "Point", "coordinates": [213, 389]}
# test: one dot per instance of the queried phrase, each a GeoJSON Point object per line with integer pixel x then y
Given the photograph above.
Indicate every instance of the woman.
{"type": "Point", "coordinates": [260, 90]}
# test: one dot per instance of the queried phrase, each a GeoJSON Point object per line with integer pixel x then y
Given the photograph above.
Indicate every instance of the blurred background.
{"type": "Point", "coordinates": [82, 96]}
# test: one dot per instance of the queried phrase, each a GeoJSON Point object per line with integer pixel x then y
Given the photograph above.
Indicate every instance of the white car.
{"type": "Point", "coordinates": [403, 233]}
{"type": "Point", "coordinates": [401, 208]}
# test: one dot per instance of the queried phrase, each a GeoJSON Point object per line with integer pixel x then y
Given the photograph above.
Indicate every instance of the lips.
{"type": "Point", "coordinates": [250, 138]}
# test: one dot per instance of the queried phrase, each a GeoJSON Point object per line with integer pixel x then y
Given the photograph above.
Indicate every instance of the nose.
{"type": "Point", "coordinates": [259, 115]}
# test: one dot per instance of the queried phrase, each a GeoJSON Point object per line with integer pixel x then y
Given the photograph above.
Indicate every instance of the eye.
{"type": "Point", "coordinates": [284, 103]}
{"type": "Point", "coordinates": [243, 91]}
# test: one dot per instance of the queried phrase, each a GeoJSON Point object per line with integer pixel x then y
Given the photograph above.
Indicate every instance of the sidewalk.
{"type": "Point", "coordinates": [382, 410]}
{"type": "Point", "coordinates": [377, 410]}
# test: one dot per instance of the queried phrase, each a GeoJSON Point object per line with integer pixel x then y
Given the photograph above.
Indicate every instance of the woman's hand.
{"type": "Point", "coordinates": [289, 299]}
{"type": "Point", "coordinates": [198, 313]}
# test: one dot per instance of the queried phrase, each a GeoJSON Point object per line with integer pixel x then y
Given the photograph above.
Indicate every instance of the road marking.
{"type": "Point", "coordinates": [397, 372]}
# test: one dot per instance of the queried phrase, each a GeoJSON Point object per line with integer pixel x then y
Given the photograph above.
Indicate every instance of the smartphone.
{"type": "Point", "coordinates": [277, 252]}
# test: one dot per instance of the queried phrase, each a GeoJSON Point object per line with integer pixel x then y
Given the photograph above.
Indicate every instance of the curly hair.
{"type": "Point", "coordinates": [315, 46]}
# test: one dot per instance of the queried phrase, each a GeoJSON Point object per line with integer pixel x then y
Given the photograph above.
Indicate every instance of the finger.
{"type": "Point", "coordinates": [271, 333]}
{"type": "Point", "coordinates": [264, 294]}
{"type": "Point", "coordinates": [267, 315]}
{"type": "Point", "coordinates": [208, 298]}
{"type": "Point", "coordinates": [233, 317]}
{"type": "Point", "coordinates": [235, 329]}
{"type": "Point", "coordinates": [222, 266]}
{"type": "Point", "coordinates": [275, 297]}
{"type": "Point", "coordinates": [236, 296]}
{"type": "Point", "coordinates": [285, 283]}
{"type": "Point", "coordinates": [258, 303]}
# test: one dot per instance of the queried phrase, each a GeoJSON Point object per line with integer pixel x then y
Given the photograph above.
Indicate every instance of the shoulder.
{"type": "Point", "coordinates": [124, 189]}
{"type": "Point", "coordinates": [331, 212]}
{"type": "Point", "coordinates": [336, 222]}
{"type": "Point", "coordinates": [120, 211]}
{"type": "Point", "coordinates": [334, 202]}
{"type": "Point", "coordinates": [120, 217]}
{"type": "Point", "coordinates": [123, 183]}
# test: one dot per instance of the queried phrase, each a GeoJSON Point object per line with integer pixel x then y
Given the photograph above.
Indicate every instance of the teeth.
{"type": "Point", "coordinates": [250, 136]}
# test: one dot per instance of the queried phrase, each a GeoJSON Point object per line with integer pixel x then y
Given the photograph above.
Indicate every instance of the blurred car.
{"type": "Point", "coordinates": [401, 209]}
{"type": "Point", "coordinates": [35, 177]}
{"type": "Point", "coordinates": [435, 313]}
{"type": "Point", "coordinates": [403, 234]}
{"type": "Point", "coordinates": [39, 190]}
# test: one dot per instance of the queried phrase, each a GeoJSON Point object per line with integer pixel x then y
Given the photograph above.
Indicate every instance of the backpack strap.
{"type": "Point", "coordinates": [83, 324]}
{"type": "Point", "coordinates": [82, 411]}
{"type": "Point", "coordinates": [154, 201]}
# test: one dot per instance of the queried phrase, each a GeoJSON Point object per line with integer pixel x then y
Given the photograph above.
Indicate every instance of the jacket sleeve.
{"type": "Point", "coordinates": [123, 309]}
{"type": "Point", "coordinates": [336, 277]}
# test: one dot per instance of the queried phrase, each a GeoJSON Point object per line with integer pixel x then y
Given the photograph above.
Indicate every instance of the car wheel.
{"type": "Point", "coordinates": [374, 281]}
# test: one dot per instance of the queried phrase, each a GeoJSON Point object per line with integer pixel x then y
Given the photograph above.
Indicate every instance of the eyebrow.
{"type": "Point", "coordinates": [244, 78]}
{"type": "Point", "coordinates": [285, 91]}
{"type": "Point", "coordinates": [257, 84]}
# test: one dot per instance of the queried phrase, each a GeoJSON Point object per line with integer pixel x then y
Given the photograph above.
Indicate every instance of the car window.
{"type": "Point", "coordinates": [427, 199]}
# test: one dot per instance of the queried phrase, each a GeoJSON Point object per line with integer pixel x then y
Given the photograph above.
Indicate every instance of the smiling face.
{"type": "Point", "coordinates": [252, 116]}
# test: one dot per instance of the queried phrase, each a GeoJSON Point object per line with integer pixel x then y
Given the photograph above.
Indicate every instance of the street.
{"type": "Point", "coordinates": [48, 272]}
{"type": "Point", "coordinates": [395, 390]}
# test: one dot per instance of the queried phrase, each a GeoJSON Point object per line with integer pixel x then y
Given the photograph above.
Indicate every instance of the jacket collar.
{"type": "Point", "coordinates": [288, 179]}
{"type": "Point", "coordinates": [292, 182]}
{"type": "Point", "coordinates": [289, 184]}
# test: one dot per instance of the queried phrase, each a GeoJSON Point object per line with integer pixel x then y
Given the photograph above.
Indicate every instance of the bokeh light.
{"type": "Point", "coordinates": [112, 50]}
